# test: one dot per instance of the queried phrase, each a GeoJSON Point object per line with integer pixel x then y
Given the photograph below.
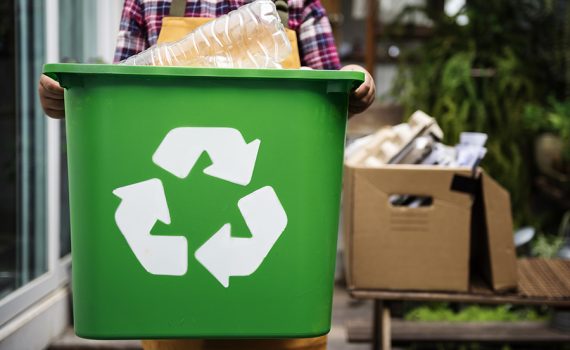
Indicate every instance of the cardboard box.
{"type": "Point", "coordinates": [465, 232]}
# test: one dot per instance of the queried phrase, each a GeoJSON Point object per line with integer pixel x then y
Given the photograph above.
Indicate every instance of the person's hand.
{"type": "Point", "coordinates": [364, 95]}
{"type": "Point", "coordinates": [51, 97]}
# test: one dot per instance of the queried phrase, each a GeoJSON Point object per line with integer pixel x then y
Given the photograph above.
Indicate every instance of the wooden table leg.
{"type": "Point", "coordinates": [381, 330]}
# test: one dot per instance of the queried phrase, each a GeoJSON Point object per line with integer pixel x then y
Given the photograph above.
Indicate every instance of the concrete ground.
{"type": "Point", "coordinates": [345, 309]}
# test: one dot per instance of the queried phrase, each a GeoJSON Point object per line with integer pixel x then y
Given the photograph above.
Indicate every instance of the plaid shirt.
{"type": "Point", "coordinates": [142, 19]}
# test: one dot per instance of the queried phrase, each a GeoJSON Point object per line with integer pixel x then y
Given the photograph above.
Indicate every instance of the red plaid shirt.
{"type": "Point", "coordinates": [142, 19]}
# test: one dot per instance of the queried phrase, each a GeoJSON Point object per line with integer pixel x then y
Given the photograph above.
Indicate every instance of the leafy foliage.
{"type": "Point", "coordinates": [547, 246]}
{"type": "Point", "coordinates": [473, 313]}
{"type": "Point", "coordinates": [555, 118]}
{"type": "Point", "coordinates": [483, 76]}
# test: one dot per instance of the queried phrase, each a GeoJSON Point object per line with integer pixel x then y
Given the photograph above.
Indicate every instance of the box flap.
{"type": "Point", "coordinates": [417, 180]}
{"type": "Point", "coordinates": [499, 227]}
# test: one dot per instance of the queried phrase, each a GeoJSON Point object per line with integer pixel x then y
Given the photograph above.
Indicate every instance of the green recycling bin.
{"type": "Point", "coordinates": [204, 202]}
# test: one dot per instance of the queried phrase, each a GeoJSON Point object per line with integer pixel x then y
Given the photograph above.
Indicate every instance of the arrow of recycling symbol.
{"type": "Point", "coordinates": [233, 160]}
{"type": "Point", "coordinates": [226, 256]}
{"type": "Point", "coordinates": [142, 204]}
{"type": "Point", "coordinates": [223, 256]}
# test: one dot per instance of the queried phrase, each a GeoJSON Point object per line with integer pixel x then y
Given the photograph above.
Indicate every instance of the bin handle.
{"type": "Point", "coordinates": [343, 86]}
{"type": "Point", "coordinates": [55, 77]}
{"type": "Point", "coordinates": [52, 75]}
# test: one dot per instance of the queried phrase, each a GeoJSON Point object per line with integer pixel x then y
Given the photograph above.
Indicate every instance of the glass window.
{"type": "Point", "coordinates": [8, 236]}
{"type": "Point", "coordinates": [78, 31]}
{"type": "Point", "coordinates": [23, 249]}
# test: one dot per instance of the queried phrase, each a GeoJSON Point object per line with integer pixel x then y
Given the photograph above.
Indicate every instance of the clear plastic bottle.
{"type": "Point", "coordinates": [249, 37]}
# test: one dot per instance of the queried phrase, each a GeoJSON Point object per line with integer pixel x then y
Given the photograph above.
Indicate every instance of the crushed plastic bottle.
{"type": "Point", "coordinates": [250, 37]}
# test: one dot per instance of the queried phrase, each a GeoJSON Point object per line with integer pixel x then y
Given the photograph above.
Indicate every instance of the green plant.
{"type": "Point", "coordinates": [472, 313]}
{"type": "Point", "coordinates": [483, 75]}
{"type": "Point", "coordinates": [546, 246]}
{"type": "Point", "coordinates": [554, 118]}
{"type": "Point", "coordinates": [452, 346]}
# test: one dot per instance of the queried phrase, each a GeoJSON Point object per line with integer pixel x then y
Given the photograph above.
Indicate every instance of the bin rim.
{"type": "Point", "coordinates": [53, 69]}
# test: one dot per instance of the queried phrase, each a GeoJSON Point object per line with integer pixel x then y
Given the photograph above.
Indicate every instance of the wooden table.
{"type": "Point", "coordinates": [540, 282]}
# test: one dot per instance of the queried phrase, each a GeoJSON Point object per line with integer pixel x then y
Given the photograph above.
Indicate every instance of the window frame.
{"type": "Point", "coordinates": [58, 269]}
{"type": "Point", "coordinates": [46, 299]}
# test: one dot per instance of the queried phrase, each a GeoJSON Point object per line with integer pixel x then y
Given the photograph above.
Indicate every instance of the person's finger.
{"type": "Point", "coordinates": [356, 110]}
{"type": "Point", "coordinates": [50, 94]}
{"type": "Point", "coordinates": [358, 105]}
{"type": "Point", "coordinates": [371, 95]}
{"type": "Point", "coordinates": [52, 103]}
{"type": "Point", "coordinates": [373, 88]}
{"type": "Point", "coordinates": [44, 92]}
{"type": "Point", "coordinates": [361, 91]}
{"type": "Point", "coordinates": [51, 85]}
{"type": "Point", "coordinates": [365, 87]}
{"type": "Point", "coordinates": [48, 90]}
{"type": "Point", "coordinates": [55, 113]}
{"type": "Point", "coordinates": [361, 101]}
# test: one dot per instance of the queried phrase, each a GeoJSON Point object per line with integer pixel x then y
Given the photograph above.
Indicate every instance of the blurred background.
{"type": "Point", "coordinates": [501, 67]}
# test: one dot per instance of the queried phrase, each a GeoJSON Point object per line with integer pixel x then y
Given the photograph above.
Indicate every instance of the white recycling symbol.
{"type": "Point", "coordinates": [144, 203]}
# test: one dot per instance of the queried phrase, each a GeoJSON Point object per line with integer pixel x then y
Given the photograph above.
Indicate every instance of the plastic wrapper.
{"type": "Point", "coordinates": [249, 37]}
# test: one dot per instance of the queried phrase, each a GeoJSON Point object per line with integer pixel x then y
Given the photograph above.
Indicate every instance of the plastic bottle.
{"type": "Point", "coordinates": [249, 37]}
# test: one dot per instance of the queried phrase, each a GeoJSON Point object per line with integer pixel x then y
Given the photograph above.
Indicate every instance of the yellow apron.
{"type": "Point", "coordinates": [319, 343]}
{"type": "Point", "coordinates": [175, 28]}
